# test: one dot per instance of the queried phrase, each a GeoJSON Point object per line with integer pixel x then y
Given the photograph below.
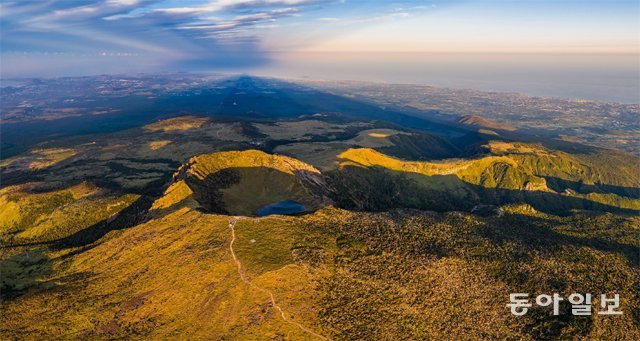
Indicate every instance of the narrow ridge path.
{"type": "Point", "coordinates": [232, 225]}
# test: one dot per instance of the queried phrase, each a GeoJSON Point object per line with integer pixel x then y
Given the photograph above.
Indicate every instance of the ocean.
{"type": "Point", "coordinates": [604, 77]}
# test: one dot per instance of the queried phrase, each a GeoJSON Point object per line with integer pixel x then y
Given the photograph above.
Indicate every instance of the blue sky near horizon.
{"type": "Point", "coordinates": [105, 36]}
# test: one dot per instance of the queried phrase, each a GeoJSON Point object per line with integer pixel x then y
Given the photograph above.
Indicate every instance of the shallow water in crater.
{"type": "Point", "coordinates": [281, 207]}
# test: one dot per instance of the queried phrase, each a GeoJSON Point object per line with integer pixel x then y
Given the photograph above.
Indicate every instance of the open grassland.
{"type": "Point", "coordinates": [22, 208]}
{"type": "Point", "coordinates": [304, 130]}
{"type": "Point", "coordinates": [374, 138]}
{"type": "Point", "coordinates": [181, 123]}
{"type": "Point", "coordinates": [36, 159]}
{"type": "Point", "coordinates": [344, 275]}
{"type": "Point", "coordinates": [202, 297]}
{"type": "Point", "coordinates": [324, 156]}
{"type": "Point", "coordinates": [117, 241]}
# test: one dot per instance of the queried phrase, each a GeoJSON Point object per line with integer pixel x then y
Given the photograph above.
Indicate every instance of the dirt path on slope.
{"type": "Point", "coordinates": [232, 225]}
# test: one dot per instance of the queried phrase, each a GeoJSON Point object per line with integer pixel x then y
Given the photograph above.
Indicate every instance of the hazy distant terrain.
{"type": "Point", "coordinates": [143, 98]}
{"type": "Point", "coordinates": [606, 124]}
{"type": "Point", "coordinates": [319, 170]}
{"type": "Point", "coordinates": [140, 207]}
{"type": "Point", "coordinates": [607, 77]}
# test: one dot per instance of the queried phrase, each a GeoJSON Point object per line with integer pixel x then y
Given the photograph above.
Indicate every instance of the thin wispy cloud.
{"type": "Point", "coordinates": [252, 19]}
{"type": "Point", "coordinates": [152, 32]}
{"type": "Point", "coordinates": [180, 35]}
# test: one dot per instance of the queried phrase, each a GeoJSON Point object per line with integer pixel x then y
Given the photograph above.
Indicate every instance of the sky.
{"type": "Point", "coordinates": [85, 37]}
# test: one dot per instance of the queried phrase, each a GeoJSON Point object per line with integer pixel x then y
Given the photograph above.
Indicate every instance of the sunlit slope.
{"type": "Point", "coordinates": [172, 277]}
{"type": "Point", "coordinates": [240, 183]}
{"type": "Point", "coordinates": [36, 159]}
{"type": "Point", "coordinates": [484, 123]}
{"type": "Point", "coordinates": [31, 215]}
{"type": "Point", "coordinates": [596, 167]}
{"type": "Point", "coordinates": [34, 218]}
{"type": "Point", "coordinates": [182, 272]}
{"type": "Point", "coordinates": [551, 180]}
{"type": "Point", "coordinates": [344, 275]}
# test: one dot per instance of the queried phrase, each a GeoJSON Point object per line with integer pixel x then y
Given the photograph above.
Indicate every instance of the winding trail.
{"type": "Point", "coordinates": [232, 225]}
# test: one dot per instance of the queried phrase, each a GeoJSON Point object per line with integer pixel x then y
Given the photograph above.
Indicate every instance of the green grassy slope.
{"type": "Point", "coordinates": [37, 217]}
{"type": "Point", "coordinates": [83, 262]}
{"type": "Point", "coordinates": [344, 275]}
{"type": "Point", "coordinates": [379, 182]}
{"type": "Point", "coordinates": [242, 182]}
